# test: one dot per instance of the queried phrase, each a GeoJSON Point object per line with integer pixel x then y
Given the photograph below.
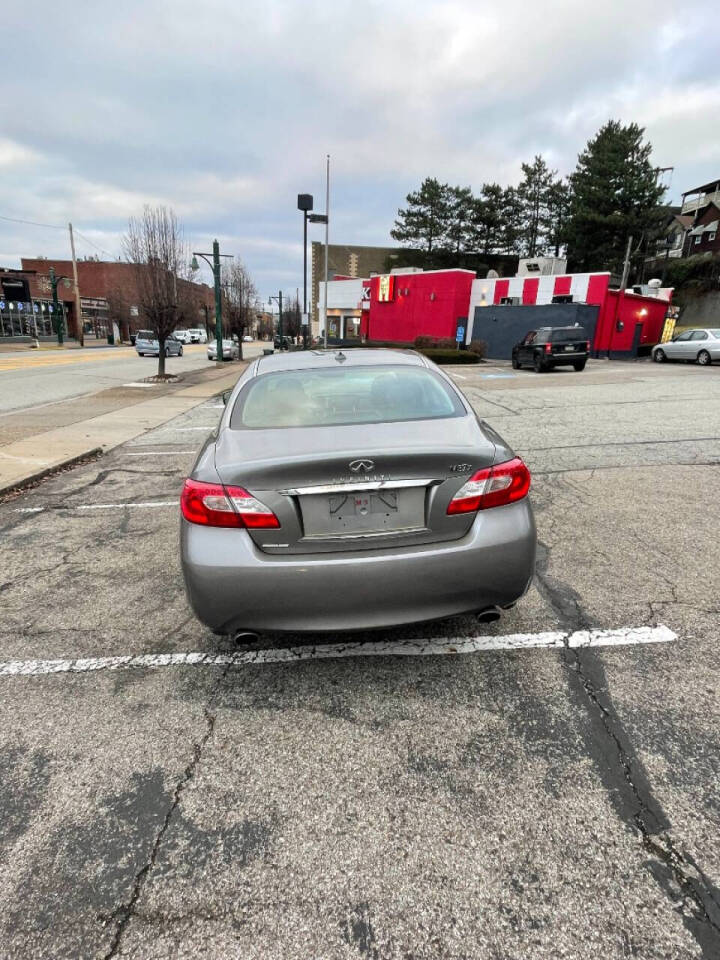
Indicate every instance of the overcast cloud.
{"type": "Point", "coordinates": [225, 110]}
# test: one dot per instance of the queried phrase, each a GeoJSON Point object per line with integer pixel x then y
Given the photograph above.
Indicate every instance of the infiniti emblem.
{"type": "Point", "coordinates": [366, 465]}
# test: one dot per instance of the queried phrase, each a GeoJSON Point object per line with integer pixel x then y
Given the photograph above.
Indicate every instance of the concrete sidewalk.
{"type": "Point", "coordinates": [32, 458]}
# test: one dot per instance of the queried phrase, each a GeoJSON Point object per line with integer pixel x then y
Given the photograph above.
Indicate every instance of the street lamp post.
{"type": "Point", "coordinates": [215, 267]}
{"type": "Point", "coordinates": [280, 327]}
{"type": "Point", "coordinates": [56, 306]}
{"type": "Point", "coordinates": [305, 203]}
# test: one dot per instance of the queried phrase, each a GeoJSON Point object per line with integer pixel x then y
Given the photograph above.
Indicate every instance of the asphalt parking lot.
{"type": "Point", "coordinates": [543, 801]}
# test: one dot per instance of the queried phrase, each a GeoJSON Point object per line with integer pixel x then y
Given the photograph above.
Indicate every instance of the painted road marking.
{"type": "Point", "coordinates": [101, 506]}
{"type": "Point", "coordinates": [186, 429]}
{"type": "Point", "coordinates": [395, 648]}
{"type": "Point", "coordinates": [160, 453]}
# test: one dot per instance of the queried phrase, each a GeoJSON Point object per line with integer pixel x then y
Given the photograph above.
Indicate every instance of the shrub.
{"type": "Point", "coordinates": [445, 343]}
{"type": "Point", "coordinates": [478, 347]}
{"type": "Point", "coordinates": [424, 342]}
{"type": "Point", "coordinates": [450, 356]}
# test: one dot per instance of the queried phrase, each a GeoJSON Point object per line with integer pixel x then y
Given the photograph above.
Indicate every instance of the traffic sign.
{"type": "Point", "coordinates": [460, 335]}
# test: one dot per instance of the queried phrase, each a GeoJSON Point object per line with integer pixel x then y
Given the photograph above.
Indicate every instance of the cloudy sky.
{"type": "Point", "coordinates": [225, 109]}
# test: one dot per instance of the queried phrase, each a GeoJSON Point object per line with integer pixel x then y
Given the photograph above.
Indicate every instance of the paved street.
{"type": "Point", "coordinates": [28, 379]}
{"type": "Point", "coordinates": [538, 802]}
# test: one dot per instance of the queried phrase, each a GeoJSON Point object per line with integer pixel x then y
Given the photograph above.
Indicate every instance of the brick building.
{"type": "Point", "coordinates": [108, 295]}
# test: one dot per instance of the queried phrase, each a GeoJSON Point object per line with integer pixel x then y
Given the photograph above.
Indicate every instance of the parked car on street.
{"type": "Point", "coordinates": [147, 345]}
{"type": "Point", "coordinates": [197, 335]}
{"type": "Point", "coordinates": [247, 338]}
{"type": "Point", "coordinates": [351, 491]}
{"type": "Point", "coordinates": [283, 343]}
{"type": "Point", "coordinates": [183, 336]}
{"type": "Point", "coordinates": [550, 347]}
{"type": "Point", "coordinates": [230, 348]}
{"type": "Point", "coordinates": [694, 346]}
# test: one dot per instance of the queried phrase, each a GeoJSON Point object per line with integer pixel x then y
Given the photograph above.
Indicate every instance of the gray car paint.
{"type": "Point", "coordinates": [454, 564]}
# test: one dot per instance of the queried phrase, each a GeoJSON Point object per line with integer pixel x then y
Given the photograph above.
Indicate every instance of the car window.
{"type": "Point", "coordinates": [568, 334]}
{"type": "Point", "coordinates": [699, 335]}
{"type": "Point", "coordinates": [684, 336]}
{"type": "Point", "coordinates": [333, 397]}
{"type": "Point", "coordinates": [145, 335]}
{"type": "Point", "coordinates": [716, 334]}
{"type": "Point", "coordinates": [530, 337]}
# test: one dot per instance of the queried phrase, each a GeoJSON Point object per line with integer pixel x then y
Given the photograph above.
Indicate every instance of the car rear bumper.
{"type": "Point", "coordinates": [232, 585]}
{"type": "Point", "coordinates": [560, 358]}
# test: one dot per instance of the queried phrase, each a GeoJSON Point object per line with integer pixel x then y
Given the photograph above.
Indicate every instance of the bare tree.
{"type": "Point", "coordinates": [239, 296]}
{"type": "Point", "coordinates": [292, 318]}
{"type": "Point", "coordinates": [155, 244]}
{"type": "Point", "coordinates": [119, 311]}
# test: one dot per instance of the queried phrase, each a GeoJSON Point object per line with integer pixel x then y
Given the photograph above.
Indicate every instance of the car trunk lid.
{"type": "Point", "coordinates": [357, 487]}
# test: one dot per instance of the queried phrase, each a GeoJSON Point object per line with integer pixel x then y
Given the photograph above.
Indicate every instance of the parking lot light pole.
{"type": "Point", "coordinates": [215, 267]}
{"type": "Point", "coordinates": [305, 203]}
{"type": "Point", "coordinates": [280, 328]}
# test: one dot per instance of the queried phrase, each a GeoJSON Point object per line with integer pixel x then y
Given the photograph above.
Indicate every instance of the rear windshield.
{"type": "Point", "coordinates": [567, 334]}
{"type": "Point", "coordinates": [145, 335]}
{"type": "Point", "coordinates": [308, 398]}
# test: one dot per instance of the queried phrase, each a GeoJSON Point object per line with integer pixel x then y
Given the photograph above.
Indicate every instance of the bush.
{"type": "Point", "coordinates": [444, 343]}
{"type": "Point", "coordinates": [424, 343]}
{"type": "Point", "coordinates": [478, 347]}
{"type": "Point", "coordinates": [450, 356]}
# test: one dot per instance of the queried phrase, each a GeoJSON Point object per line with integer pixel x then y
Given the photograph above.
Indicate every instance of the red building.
{"type": "Point", "coordinates": [436, 303]}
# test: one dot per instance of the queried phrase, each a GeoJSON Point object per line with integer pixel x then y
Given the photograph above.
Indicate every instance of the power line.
{"type": "Point", "coordinates": [92, 243]}
{"type": "Point", "coordinates": [33, 223]}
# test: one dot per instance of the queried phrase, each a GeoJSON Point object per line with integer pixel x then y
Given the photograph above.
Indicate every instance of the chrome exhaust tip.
{"type": "Point", "coordinates": [244, 637]}
{"type": "Point", "coordinates": [489, 616]}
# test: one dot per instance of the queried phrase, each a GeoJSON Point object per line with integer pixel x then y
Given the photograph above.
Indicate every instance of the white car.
{"type": "Point", "coordinates": [230, 349]}
{"type": "Point", "coordinates": [247, 338]}
{"type": "Point", "coordinates": [694, 346]}
{"type": "Point", "coordinates": [182, 336]}
{"type": "Point", "coordinates": [197, 335]}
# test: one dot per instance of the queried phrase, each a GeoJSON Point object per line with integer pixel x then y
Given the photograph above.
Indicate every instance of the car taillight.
{"type": "Point", "coordinates": [215, 505]}
{"type": "Point", "coordinates": [587, 346]}
{"type": "Point", "coordinates": [492, 487]}
{"type": "Point", "coordinates": [548, 348]}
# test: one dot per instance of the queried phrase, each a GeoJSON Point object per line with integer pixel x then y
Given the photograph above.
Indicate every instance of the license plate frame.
{"type": "Point", "coordinates": [363, 512]}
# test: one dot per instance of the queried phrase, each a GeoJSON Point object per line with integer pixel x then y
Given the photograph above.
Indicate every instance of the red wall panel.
{"type": "Point", "coordinates": [530, 291]}
{"type": "Point", "coordinates": [562, 286]}
{"type": "Point", "coordinates": [428, 304]}
{"type": "Point", "coordinates": [501, 290]}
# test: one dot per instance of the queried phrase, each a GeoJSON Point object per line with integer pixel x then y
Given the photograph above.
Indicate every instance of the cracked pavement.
{"type": "Point", "coordinates": [514, 804]}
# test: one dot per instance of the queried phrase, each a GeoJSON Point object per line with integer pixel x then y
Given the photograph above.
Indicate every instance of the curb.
{"type": "Point", "coordinates": [35, 478]}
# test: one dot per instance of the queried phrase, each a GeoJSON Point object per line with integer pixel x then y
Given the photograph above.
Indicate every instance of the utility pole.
{"type": "Point", "coordinates": [218, 302]}
{"type": "Point", "coordinates": [79, 330]}
{"type": "Point", "coordinates": [280, 323]}
{"type": "Point", "coordinates": [327, 232]}
{"type": "Point", "coordinates": [626, 264]}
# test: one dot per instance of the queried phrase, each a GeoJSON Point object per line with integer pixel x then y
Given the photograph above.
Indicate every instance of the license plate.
{"type": "Point", "coordinates": [570, 348]}
{"type": "Point", "coordinates": [362, 512]}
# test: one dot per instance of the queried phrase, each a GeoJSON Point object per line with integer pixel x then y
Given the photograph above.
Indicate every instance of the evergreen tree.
{"type": "Point", "coordinates": [510, 218]}
{"type": "Point", "coordinates": [534, 193]}
{"type": "Point", "coordinates": [558, 213]}
{"type": "Point", "coordinates": [615, 194]}
{"type": "Point", "coordinates": [485, 217]}
{"type": "Point", "coordinates": [459, 220]}
{"type": "Point", "coordinates": [425, 222]}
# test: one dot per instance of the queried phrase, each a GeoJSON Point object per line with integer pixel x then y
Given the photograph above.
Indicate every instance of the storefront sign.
{"type": "Point", "coordinates": [386, 288]}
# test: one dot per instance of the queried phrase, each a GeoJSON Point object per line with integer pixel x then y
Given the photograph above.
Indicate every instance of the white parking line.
{"type": "Point", "coordinates": [379, 648]}
{"type": "Point", "coordinates": [160, 453]}
{"type": "Point", "coordinates": [103, 506]}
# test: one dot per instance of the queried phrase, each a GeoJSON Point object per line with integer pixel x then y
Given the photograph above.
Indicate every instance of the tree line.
{"type": "Point", "coordinates": [612, 194]}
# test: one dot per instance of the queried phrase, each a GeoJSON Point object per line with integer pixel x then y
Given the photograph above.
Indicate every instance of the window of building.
{"type": "Point", "coordinates": [711, 236]}
{"type": "Point", "coordinates": [509, 301]}
{"type": "Point", "coordinates": [697, 239]}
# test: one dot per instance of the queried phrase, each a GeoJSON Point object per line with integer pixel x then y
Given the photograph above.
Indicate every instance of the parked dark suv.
{"type": "Point", "coordinates": [551, 347]}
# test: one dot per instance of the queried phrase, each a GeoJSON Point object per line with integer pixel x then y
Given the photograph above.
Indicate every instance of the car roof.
{"type": "Point", "coordinates": [354, 357]}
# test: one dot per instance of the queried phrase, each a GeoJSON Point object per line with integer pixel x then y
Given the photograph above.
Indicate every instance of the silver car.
{"type": "Point", "coordinates": [696, 346]}
{"type": "Point", "coordinates": [230, 350]}
{"type": "Point", "coordinates": [147, 345]}
{"type": "Point", "coordinates": [352, 491]}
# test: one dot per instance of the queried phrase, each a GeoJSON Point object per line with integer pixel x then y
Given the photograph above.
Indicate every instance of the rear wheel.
{"type": "Point", "coordinates": [141, 354]}
{"type": "Point", "coordinates": [515, 363]}
{"type": "Point", "coordinates": [538, 365]}
{"type": "Point", "coordinates": [579, 365]}
{"type": "Point", "coordinates": [659, 356]}
{"type": "Point", "coordinates": [180, 352]}
{"type": "Point", "coordinates": [703, 358]}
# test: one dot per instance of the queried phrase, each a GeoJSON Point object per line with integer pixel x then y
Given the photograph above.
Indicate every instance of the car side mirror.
{"type": "Point", "coordinates": [226, 397]}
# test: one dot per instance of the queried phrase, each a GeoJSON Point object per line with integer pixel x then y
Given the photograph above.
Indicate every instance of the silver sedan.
{"type": "Point", "coordinates": [352, 491]}
{"type": "Point", "coordinates": [230, 350]}
{"type": "Point", "coordinates": [695, 346]}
